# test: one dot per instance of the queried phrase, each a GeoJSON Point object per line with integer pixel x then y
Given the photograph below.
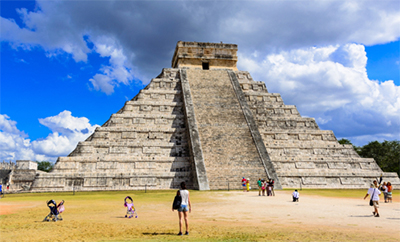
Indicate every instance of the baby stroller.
{"type": "Point", "coordinates": [130, 208]}
{"type": "Point", "coordinates": [55, 211]}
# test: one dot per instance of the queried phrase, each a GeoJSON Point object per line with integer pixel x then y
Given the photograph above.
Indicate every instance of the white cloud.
{"type": "Point", "coordinates": [331, 84]}
{"type": "Point", "coordinates": [67, 131]}
{"type": "Point", "coordinates": [119, 70]}
{"type": "Point", "coordinates": [142, 34]}
{"type": "Point", "coordinates": [327, 81]}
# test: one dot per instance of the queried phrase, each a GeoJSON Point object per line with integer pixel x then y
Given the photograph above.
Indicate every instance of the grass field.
{"type": "Point", "coordinates": [99, 216]}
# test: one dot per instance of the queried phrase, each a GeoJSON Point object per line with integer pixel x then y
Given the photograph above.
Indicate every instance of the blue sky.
{"type": "Point", "coordinates": [67, 66]}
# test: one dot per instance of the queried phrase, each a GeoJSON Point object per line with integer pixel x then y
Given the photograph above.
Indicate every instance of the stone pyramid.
{"type": "Point", "coordinates": [208, 124]}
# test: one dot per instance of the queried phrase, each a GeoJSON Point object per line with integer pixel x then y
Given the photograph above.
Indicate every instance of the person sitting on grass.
{"type": "Point", "coordinates": [295, 196]}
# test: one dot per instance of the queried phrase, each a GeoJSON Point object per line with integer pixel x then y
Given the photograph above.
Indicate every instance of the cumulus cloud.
{"type": "Point", "coordinates": [66, 129]}
{"type": "Point", "coordinates": [117, 72]}
{"type": "Point", "coordinates": [331, 84]}
{"type": "Point", "coordinates": [141, 35]}
{"type": "Point", "coordinates": [327, 81]}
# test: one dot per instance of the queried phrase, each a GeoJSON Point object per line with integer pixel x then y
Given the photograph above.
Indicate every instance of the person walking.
{"type": "Point", "coordinates": [185, 207]}
{"type": "Point", "coordinates": [248, 184]}
{"type": "Point", "coordinates": [375, 193]}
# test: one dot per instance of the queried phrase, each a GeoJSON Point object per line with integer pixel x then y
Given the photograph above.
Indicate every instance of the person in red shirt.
{"type": "Point", "coordinates": [244, 184]}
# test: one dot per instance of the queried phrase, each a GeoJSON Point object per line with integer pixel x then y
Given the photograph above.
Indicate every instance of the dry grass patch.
{"type": "Point", "coordinates": [216, 216]}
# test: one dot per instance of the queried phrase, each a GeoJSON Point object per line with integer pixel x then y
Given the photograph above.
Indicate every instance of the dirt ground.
{"type": "Point", "coordinates": [216, 216]}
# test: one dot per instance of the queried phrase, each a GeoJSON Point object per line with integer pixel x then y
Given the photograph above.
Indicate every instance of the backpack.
{"type": "Point", "coordinates": [177, 202]}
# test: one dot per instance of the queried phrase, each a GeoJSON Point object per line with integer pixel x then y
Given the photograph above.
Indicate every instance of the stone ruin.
{"type": "Point", "coordinates": [206, 123]}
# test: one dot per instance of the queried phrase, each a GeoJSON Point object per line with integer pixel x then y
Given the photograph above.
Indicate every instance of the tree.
{"type": "Point", "coordinates": [386, 154]}
{"type": "Point", "coordinates": [44, 165]}
{"type": "Point", "coordinates": [344, 142]}
{"type": "Point", "coordinates": [348, 142]}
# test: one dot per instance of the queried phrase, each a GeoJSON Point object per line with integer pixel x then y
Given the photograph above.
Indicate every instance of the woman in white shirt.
{"type": "Point", "coordinates": [184, 209]}
{"type": "Point", "coordinates": [375, 193]}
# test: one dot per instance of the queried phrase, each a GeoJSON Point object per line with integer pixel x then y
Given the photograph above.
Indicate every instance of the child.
{"type": "Point", "coordinates": [248, 184]}
{"type": "Point", "coordinates": [130, 209]}
{"type": "Point", "coordinates": [296, 196]}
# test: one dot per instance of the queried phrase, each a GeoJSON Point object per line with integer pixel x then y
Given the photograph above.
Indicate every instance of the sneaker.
{"type": "Point", "coordinates": [187, 233]}
{"type": "Point", "coordinates": [180, 233]}
{"type": "Point", "coordinates": [377, 215]}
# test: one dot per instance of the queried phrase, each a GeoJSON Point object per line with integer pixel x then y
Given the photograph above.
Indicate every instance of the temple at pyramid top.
{"type": "Point", "coordinates": [206, 56]}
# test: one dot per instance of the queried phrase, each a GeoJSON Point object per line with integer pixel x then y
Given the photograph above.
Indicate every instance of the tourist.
{"type": "Point", "coordinates": [375, 193]}
{"type": "Point", "coordinates": [186, 207]}
{"type": "Point", "coordinates": [263, 186]}
{"type": "Point", "coordinates": [1, 190]}
{"type": "Point", "coordinates": [375, 184]}
{"type": "Point", "coordinates": [248, 184]}
{"type": "Point", "coordinates": [384, 190]}
{"type": "Point", "coordinates": [272, 186]}
{"type": "Point", "coordinates": [389, 191]}
{"type": "Point", "coordinates": [244, 184]}
{"type": "Point", "coordinates": [295, 196]}
{"type": "Point", "coordinates": [259, 183]}
{"type": "Point", "coordinates": [269, 187]}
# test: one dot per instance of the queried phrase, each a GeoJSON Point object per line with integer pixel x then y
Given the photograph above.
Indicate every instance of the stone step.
{"type": "Point", "coordinates": [224, 134]}
{"type": "Point", "coordinates": [145, 102]}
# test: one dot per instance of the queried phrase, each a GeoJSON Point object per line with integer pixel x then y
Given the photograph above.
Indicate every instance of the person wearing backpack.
{"type": "Point", "coordinates": [184, 208]}
{"type": "Point", "coordinates": [177, 201]}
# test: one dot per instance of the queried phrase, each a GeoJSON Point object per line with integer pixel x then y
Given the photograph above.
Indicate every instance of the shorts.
{"type": "Point", "coordinates": [376, 204]}
{"type": "Point", "coordinates": [183, 208]}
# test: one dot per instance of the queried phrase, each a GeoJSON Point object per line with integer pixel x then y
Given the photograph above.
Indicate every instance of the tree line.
{"type": "Point", "coordinates": [386, 153]}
